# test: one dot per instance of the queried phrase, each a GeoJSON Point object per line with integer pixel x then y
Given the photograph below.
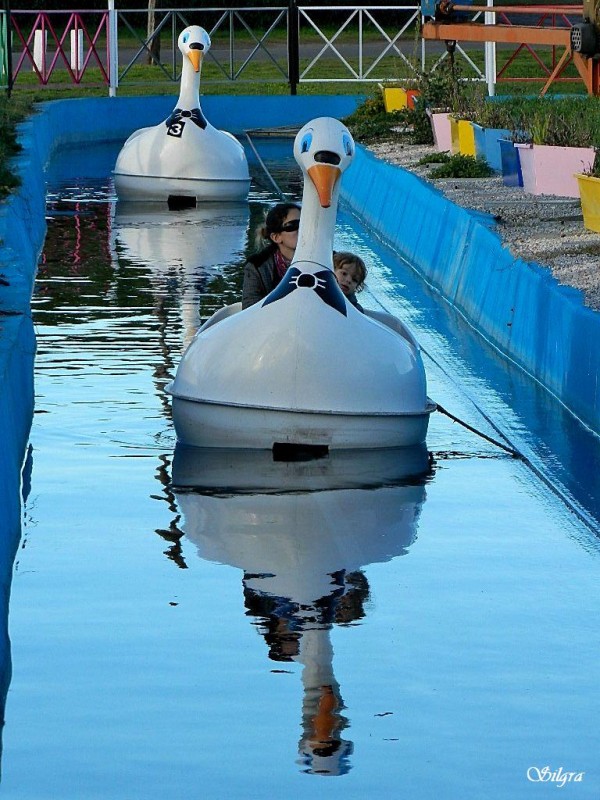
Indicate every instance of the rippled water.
{"type": "Point", "coordinates": [318, 629]}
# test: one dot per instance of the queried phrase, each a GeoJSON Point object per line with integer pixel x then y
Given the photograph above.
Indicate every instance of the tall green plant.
{"type": "Point", "coordinates": [443, 89]}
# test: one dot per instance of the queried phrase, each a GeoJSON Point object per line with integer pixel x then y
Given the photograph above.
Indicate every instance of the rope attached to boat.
{"type": "Point", "coordinates": [510, 450]}
{"type": "Point", "coordinates": [264, 166]}
{"type": "Point", "coordinates": [558, 492]}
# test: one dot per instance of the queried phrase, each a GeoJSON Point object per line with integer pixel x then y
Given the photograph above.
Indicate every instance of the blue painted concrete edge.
{"type": "Point", "coordinates": [22, 232]}
{"type": "Point", "coordinates": [518, 306]}
{"type": "Point", "coordinates": [111, 119]}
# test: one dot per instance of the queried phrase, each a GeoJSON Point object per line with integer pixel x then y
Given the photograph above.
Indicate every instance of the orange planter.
{"type": "Point", "coordinates": [395, 99]}
{"type": "Point", "coordinates": [411, 96]}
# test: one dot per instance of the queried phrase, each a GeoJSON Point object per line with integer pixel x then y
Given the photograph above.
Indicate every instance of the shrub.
{"type": "Point", "coordinates": [434, 158]}
{"type": "Point", "coordinates": [12, 111]}
{"type": "Point", "coordinates": [372, 123]}
{"type": "Point", "coordinates": [461, 166]}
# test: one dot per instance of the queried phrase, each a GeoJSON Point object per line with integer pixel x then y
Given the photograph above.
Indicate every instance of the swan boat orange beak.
{"type": "Point", "coordinates": [195, 56]}
{"type": "Point", "coordinates": [324, 178]}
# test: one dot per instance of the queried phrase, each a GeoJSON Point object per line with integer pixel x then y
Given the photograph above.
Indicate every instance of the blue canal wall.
{"type": "Point", "coordinates": [22, 232]}
{"type": "Point", "coordinates": [517, 306]}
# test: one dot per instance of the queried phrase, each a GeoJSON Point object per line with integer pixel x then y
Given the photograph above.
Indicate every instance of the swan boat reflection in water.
{"type": "Point", "coordinates": [301, 532]}
{"type": "Point", "coordinates": [183, 249]}
{"type": "Point", "coordinates": [183, 159]}
{"type": "Point", "coordinates": [304, 367]}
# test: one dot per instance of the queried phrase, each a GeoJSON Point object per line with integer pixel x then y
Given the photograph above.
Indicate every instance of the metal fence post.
{"type": "Point", "coordinates": [293, 46]}
{"type": "Point", "coordinates": [113, 50]}
{"type": "Point", "coordinates": [7, 66]}
{"type": "Point", "coordinates": [490, 53]}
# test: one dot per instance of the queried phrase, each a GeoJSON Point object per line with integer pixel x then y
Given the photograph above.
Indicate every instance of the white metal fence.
{"type": "Point", "coordinates": [288, 44]}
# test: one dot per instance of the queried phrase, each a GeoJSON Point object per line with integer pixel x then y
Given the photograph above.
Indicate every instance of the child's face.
{"type": "Point", "coordinates": [347, 277]}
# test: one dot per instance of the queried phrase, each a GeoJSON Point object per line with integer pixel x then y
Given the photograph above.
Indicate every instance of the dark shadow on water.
{"type": "Point", "coordinates": [302, 532]}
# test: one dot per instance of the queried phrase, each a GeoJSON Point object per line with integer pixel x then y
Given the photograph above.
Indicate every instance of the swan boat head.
{"type": "Point", "coordinates": [304, 366]}
{"type": "Point", "coordinates": [194, 44]}
{"type": "Point", "coordinates": [323, 149]}
{"type": "Point", "coordinates": [184, 159]}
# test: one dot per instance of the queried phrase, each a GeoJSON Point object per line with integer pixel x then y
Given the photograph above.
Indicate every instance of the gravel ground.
{"type": "Point", "coordinates": [545, 229]}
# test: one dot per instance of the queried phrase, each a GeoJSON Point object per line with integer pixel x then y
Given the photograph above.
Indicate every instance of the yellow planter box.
{"type": "Point", "coordinates": [394, 99]}
{"type": "Point", "coordinates": [589, 192]}
{"type": "Point", "coordinates": [454, 142]}
{"type": "Point", "coordinates": [466, 138]}
{"type": "Point", "coordinates": [462, 137]}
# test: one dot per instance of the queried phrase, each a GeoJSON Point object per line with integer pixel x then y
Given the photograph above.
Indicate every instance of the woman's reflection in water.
{"type": "Point", "coordinates": [301, 534]}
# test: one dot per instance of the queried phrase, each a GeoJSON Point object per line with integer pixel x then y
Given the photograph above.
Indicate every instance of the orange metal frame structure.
{"type": "Point", "coordinates": [469, 31]}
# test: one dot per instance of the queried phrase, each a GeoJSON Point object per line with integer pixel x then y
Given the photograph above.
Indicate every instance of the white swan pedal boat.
{"type": "Point", "coordinates": [184, 157]}
{"type": "Point", "coordinates": [304, 367]}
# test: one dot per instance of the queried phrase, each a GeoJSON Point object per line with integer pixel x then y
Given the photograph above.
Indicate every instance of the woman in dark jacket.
{"type": "Point", "coordinates": [264, 270]}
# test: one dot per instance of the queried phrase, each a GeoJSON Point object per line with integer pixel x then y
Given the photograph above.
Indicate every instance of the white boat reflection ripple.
{"type": "Point", "coordinates": [189, 246]}
{"type": "Point", "coordinates": [301, 532]}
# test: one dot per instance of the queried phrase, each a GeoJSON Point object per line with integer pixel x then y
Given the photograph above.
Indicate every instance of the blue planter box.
{"type": "Point", "coordinates": [511, 166]}
{"type": "Point", "coordinates": [479, 134]}
{"type": "Point", "coordinates": [487, 145]}
{"type": "Point", "coordinates": [492, 138]}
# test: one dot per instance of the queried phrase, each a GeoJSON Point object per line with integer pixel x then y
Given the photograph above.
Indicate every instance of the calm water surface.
{"type": "Point", "coordinates": [439, 633]}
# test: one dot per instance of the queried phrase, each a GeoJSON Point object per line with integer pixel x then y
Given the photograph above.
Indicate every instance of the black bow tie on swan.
{"type": "Point", "coordinates": [176, 122]}
{"type": "Point", "coordinates": [323, 283]}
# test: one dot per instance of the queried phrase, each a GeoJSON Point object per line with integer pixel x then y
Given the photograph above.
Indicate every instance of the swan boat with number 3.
{"type": "Point", "coordinates": [304, 366]}
{"type": "Point", "coordinates": [184, 156]}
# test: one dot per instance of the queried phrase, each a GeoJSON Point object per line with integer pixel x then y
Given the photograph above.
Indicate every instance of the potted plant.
{"type": "Point", "coordinates": [589, 193]}
{"type": "Point", "coordinates": [465, 100]}
{"type": "Point", "coordinates": [493, 120]}
{"type": "Point", "coordinates": [462, 136]}
{"type": "Point", "coordinates": [442, 94]}
{"type": "Point", "coordinates": [397, 98]}
{"type": "Point", "coordinates": [559, 143]}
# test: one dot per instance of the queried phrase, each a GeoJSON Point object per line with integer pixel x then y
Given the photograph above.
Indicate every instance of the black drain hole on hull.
{"type": "Point", "coordinates": [285, 451]}
{"type": "Point", "coordinates": [177, 202]}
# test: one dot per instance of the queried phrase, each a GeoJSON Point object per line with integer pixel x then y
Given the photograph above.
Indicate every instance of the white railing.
{"type": "Point", "coordinates": [291, 44]}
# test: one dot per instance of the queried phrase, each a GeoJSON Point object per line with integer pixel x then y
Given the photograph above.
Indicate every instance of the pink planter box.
{"type": "Point", "coordinates": [442, 138]}
{"type": "Point", "coordinates": [551, 170]}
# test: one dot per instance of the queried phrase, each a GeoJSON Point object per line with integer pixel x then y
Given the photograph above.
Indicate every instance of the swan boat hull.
{"type": "Point", "coordinates": [209, 424]}
{"type": "Point", "coordinates": [158, 189]}
{"type": "Point", "coordinates": [204, 422]}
